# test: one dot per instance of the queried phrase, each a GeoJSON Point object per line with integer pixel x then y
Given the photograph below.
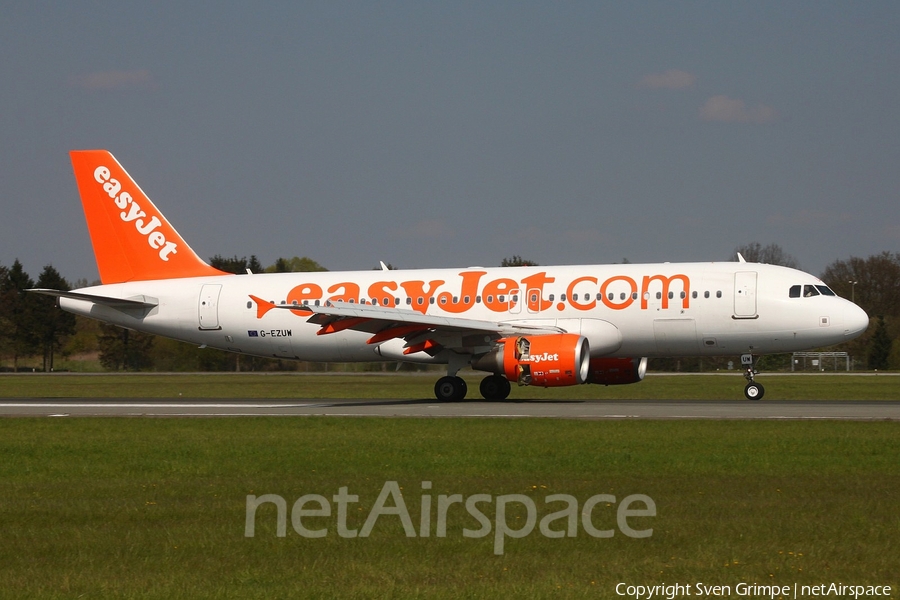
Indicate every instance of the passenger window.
{"type": "Point", "coordinates": [706, 294]}
{"type": "Point", "coordinates": [694, 295]}
{"type": "Point", "coordinates": [551, 298]}
{"type": "Point", "coordinates": [795, 291]}
{"type": "Point", "coordinates": [719, 294]}
{"type": "Point", "coordinates": [809, 291]}
{"type": "Point", "coordinates": [658, 295]}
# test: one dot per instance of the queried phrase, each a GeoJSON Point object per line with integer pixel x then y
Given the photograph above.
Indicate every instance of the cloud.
{"type": "Point", "coordinates": [114, 80]}
{"type": "Point", "coordinates": [585, 237]}
{"type": "Point", "coordinates": [429, 229]}
{"type": "Point", "coordinates": [673, 79]}
{"type": "Point", "coordinates": [809, 218]}
{"type": "Point", "coordinates": [731, 110]}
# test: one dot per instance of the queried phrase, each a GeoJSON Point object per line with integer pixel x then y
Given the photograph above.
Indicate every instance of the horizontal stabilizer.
{"type": "Point", "coordinates": [119, 303]}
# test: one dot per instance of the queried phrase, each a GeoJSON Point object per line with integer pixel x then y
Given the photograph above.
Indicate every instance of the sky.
{"type": "Point", "coordinates": [453, 134]}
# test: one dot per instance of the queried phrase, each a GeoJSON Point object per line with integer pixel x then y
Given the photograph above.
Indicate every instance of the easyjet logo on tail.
{"type": "Point", "coordinates": [132, 213]}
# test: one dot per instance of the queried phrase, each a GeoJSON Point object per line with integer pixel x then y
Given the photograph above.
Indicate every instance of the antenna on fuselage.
{"type": "Point", "coordinates": [741, 258]}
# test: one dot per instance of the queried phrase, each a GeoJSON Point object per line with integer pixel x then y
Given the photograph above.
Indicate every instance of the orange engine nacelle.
{"type": "Point", "coordinates": [544, 360]}
{"type": "Point", "coordinates": [617, 371]}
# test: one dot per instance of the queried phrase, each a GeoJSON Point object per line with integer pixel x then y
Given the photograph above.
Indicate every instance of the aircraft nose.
{"type": "Point", "coordinates": [855, 320]}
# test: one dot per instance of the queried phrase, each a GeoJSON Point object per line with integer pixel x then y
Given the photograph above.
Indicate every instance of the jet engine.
{"type": "Point", "coordinates": [543, 360]}
{"type": "Point", "coordinates": [616, 371]}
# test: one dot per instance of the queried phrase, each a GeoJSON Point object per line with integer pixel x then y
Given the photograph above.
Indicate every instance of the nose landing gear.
{"type": "Point", "coordinates": [753, 390]}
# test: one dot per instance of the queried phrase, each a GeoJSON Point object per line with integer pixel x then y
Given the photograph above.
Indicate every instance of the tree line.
{"type": "Point", "coordinates": [34, 333]}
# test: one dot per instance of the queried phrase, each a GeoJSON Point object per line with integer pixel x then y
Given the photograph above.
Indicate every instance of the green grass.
{"type": "Point", "coordinates": [155, 508]}
{"type": "Point", "coordinates": [400, 385]}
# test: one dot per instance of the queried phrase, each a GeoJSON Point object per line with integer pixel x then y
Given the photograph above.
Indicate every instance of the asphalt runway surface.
{"type": "Point", "coordinates": [581, 409]}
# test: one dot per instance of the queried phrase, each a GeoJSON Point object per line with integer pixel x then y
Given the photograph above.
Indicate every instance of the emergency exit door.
{"type": "Point", "coordinates": [209, 306]}
{"type": "Point", "coordinates": [745, 295]}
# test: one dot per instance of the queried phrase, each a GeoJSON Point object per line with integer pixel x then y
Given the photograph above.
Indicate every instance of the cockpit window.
{"type": "Point", "coordinates": [808, 291]}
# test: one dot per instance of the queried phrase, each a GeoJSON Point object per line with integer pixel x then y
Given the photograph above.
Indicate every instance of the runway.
{"type": "Point", "coordinates": [582, 409]}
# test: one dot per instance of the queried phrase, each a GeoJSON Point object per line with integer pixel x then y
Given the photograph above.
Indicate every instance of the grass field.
{"type": "Point", "coordinates": [403, 385]}
{"type": "Point", "coordinates": [156, 508]}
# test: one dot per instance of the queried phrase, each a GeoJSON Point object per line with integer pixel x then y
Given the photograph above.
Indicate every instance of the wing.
{"type": "Point", "coordinates": [422, 332]}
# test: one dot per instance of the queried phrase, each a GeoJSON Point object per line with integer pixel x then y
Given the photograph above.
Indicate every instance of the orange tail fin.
{"type": "Point", "coordinates": [132, 240]}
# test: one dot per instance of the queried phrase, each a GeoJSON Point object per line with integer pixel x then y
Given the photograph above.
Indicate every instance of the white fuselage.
{"type": "Point", "coordinates": [653, 310]}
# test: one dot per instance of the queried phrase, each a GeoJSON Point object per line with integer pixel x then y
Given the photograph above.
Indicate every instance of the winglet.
{"type": "Point", "coordinates": [132, 239]}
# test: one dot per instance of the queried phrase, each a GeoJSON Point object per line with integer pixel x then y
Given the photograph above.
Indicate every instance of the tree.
{"type": "Point", "coordinates": [122, 349]}
{"type": "Point", "coordinates": [236, 265]}
{"type": "Point", "coordinates": [879, 347]}
{"type": "Point", "coordinates": [517, 261]}
{"type": "Point", "coordinates": [5, 324]}
{"type": "Point", "coordinates": [17, 309]}
{"type": "Point", "coordinates": [770, 255]}
{"type": "Point", "coordinates": [873, 282]}
{"type": "Point", "coordinates": [51, 323]}
{"type": "Point", "coordinates": [295, 265]}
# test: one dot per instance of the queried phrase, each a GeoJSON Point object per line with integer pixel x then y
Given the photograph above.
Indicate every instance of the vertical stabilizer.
{"type": "Point", "coordinates": [132, 239]}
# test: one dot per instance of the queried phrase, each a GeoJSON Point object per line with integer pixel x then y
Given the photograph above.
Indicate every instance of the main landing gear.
{"type": "Point", "coordinates": [495, 387]}
{"type": "Point", "coordinates": [453, 389]}
{"type": "Point", "coordinates": [450, 389]}
{"type": "Point", "coordinates": [753, 390]}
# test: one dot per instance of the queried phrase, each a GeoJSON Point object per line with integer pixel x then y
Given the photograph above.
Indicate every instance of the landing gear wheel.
{"type": "Point", "coordinates": [495, 387]}
{"type": "Point", "coordinates": [450, 389]}
{"type": "Point", "coordinates": [754, 391]}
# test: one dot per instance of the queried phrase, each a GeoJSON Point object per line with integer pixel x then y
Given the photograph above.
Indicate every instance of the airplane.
{"type": "Point", "coordinates": [540, 326]}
